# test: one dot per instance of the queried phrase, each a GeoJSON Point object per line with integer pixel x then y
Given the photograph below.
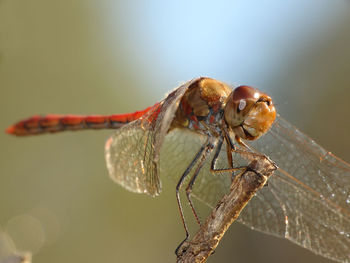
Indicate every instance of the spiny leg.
{"type": "Point", "coordinates": [189, 187]}
{"type": "Point", "coordinates": [178, 187]}
{"type": "Point", "coordinates": [208, 150]}
{"type": "Point", "coordinates": [229, 149]}
{"type": "Point", "coordinates": [252, 152]}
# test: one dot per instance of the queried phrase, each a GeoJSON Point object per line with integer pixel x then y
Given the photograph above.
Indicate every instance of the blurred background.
{"type": "Point", "coordinates": [106, 57]}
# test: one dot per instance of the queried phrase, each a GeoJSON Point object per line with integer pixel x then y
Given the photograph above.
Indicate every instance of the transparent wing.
{"type": "Point", "coordinates": [128, 155]}
{"type": "Point", "coordinates": [306, 201]}
{"type": "Point", "coordinates": [132, 152]}
{"type": "Point", "coordinates": [179, 149]}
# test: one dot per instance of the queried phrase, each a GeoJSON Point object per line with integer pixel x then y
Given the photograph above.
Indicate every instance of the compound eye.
{"type": "Point", "coordinates": [243, 93]}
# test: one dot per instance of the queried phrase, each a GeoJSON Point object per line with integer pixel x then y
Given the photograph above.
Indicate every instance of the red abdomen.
{"type": "Point", "coordinates": [56, 123]}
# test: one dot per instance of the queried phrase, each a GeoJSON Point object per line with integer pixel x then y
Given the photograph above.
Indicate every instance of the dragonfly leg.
{"type": "Point", "coordinates": [178, 187]}
{"type": "Point", "coordinates": [252, 152]}
{"type": "Point", "coordinates": [230, 149]}
{"type": "Point", "coordinates": [209, 147]}
{"type": "Point", "coordinates": [248, 149]}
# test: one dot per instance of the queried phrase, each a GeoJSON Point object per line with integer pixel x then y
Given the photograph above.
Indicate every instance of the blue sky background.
{"type": "Point", "coordinates": [239, 41]}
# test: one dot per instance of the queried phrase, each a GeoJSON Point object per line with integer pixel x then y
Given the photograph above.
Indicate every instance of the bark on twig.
{"type": "Point", "coordinates": [243, 188]}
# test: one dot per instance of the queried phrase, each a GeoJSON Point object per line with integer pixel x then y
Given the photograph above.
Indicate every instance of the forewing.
{"type": "Point", "coordinates": [308, 199]}
{"type": "Point", "coordinates": [132, 152]}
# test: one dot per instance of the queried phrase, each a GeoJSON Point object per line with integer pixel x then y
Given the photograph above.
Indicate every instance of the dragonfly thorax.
{"type": "Point", "coordinates": [202, 106]}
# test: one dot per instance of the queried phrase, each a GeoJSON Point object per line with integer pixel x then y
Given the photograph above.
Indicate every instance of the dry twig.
{"type": "Point", "coordinates": [243, 188]}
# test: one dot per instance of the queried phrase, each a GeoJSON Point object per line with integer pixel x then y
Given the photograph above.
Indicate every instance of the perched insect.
{"type": "Point", "coordinates": [204, 124]}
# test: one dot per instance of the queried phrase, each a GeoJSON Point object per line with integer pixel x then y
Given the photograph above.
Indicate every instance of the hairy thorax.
{"type": "Point", "coordinates": [201, 107]}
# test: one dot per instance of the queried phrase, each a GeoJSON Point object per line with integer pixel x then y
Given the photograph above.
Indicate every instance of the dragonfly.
{"type": "Point", "coordinates": [196, 134]}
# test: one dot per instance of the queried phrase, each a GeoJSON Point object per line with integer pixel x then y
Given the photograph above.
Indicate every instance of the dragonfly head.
{"type": "Point", "coordinates": [249, 112]}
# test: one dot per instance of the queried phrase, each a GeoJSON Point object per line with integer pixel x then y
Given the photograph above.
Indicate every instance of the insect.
{"type": "Point", "coordinates": [197, 133]}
